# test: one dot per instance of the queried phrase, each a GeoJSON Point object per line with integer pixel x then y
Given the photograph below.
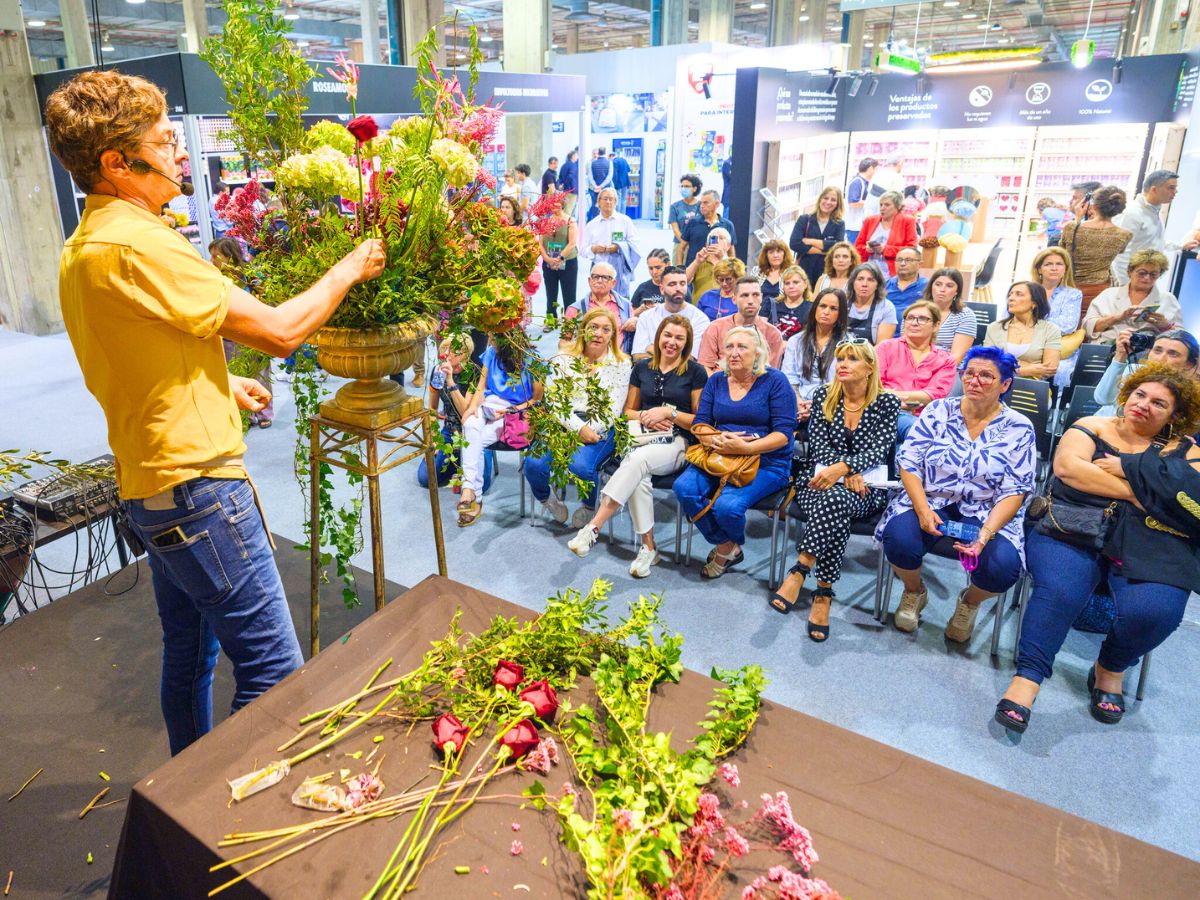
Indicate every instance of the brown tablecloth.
{"type": "Point", "coordinates": [885, 823]}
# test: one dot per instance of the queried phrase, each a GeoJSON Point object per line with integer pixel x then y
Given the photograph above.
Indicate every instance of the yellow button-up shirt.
{"type": "Point", "coordinates": [142, 309]}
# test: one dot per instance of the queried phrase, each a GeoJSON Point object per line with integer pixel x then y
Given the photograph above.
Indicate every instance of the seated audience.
{"type": "Point", "coordinates": [1052, 270]}
{"type": "Point", "coordinates": [748, 297]}
{"type": "Point", "coordinates": [664, 392]}
{"type": "Point", "coordinates": [885, 235]}
{"type": "Point", "coordinates": [601, 295]}
{"type": "Point", "coordinates": [840, 261]}
{"type": "Point", "coordinates": [968, 459]}
{"type": "Point", "coordinates": [595, 351]}
{"type": "Point", "coordinates": [1141, 303]}
{"type": "Point", "coordinates": [719, 302]}
{"type": "Point", "coordinates": [1027, 334]}
{"type": "Point", "coordinates": [1175, 348]}
{"type": "Point", "coordinates": [773, 261]}
{"type": "Point", "coordinates": [719, 246]}
{"type": "Point", "coordinates": [749, 410]}
{"type": "Point", "coordinates": [913, 367]}
{"type": "Point", "coordinates": [850, 436]}
{"type": "Point", "coordinates": [814, 234]}
{"type": "Point", "coordinates": [450, 394]}
{"type": "Point", "coordinates": [809, 354]}
{"type": "Point", "coordinates": [792, 305]}
{"type": "Point", "coordinates": [673, 284]}
{"type": "Point", "coordinates": [958, 329]}
{"type": "Point", "coordinates": [505, 385]}
{"type": "Point", "coordinates": [906, 286]}
{"type": "Point", "coordinates": [1145, 458]}
{"type": "Point", "coordinates": [872, 315]}
{"type": "Point", "coordinates": [650, 291]}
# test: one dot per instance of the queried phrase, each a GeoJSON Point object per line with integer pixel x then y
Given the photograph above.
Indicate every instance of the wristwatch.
{"type": "Point", "coordinates": [673, 409]}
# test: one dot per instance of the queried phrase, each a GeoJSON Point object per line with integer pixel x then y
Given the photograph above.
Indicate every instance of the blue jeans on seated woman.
{"type": "Point", "coordinates": [585, 464]}
{"type": "Point", "coordinates": [448, 466]}
{"type": "Point", "coordinates": [726, 521]}
{"type": "Point", "coordinates": [217, 587]}
{"type": "Point", "coordinates": [1064, 577]}
{"type": "Point", "coordinates": [905, 545]}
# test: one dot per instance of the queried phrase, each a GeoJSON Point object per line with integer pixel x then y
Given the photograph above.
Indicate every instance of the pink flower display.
{"type": "Point", "coordinates": [729, 772]}
{"type": "Point", "coordinates": [735, 843]}
{"type": "Point", "coordinates": [793, 837]}
{"type": "Point", "coordinates": [517, 848]}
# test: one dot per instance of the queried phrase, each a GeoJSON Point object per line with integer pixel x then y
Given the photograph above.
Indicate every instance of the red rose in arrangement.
{"type": "Point", "coordinates": [521, 738]}
{"type": "Point", "coordinates": [449, 734]}
{"type": "Point", "coordinates": [508, 674]}
{"type": "Point", "coordinates": [363, 128]}
{"type": "Point", "coordinates": [541, 695]}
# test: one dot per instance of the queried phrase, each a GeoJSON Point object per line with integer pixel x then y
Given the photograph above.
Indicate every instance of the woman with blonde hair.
{"type": "Point", "coordinates": [840, 261]}
{"type": "Point", "coordinates": [746, 409]}
{"type": "Point", "coordinates": [773, 260]}
{"type": "Point", "coordinates": [850, 433]}
{"type": "Point", "coordinates": [718, 302]}
{"type": "Point", "coordinates": [1052, 269]}
{"type": "Point", "coordinates": [815, 233]}
{"type": "Point", "coordinates": [792, 306]}
{"type": "Point", "coordinates": [596, 351]}
{"type": "Point", "coordinates": [664, 392]}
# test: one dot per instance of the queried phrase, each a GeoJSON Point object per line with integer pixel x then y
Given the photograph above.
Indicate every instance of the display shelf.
{"type": "Point", "coordinates": [798, 170]}
{"type": "Point", "coordinates": [919, 149]}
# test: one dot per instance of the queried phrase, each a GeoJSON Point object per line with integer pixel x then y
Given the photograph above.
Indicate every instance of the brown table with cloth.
{"type": "Point", "coordinates": [885, 823]}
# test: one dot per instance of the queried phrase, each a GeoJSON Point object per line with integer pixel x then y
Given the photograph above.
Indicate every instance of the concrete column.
{"type": "Point", "coordinates": [1191, 34]}
{"type": "Point", "coordinates": [195, 26]}
{"type": "Point", "coordinates": [879, 35]}
{"type": "Point", "coordinates": [30, 234]}
{"type": "Point", "coordinates": [527, 37]}
{"type": "Point", "coordinates": [716, 21]}
{"type": "Point", "coordinates": [813, 31]}
{"type": "Point", "coordinates": [673, 22]}
{"type": "Point", "coordinates": [416, 18]}
{"type": "Point", "coordinates": [784, 27]}
{"type": "Point", "coordinates": [572, 39]}
{"type": "Point", "coordinates": [369, 14]}
{"type": "Point", "coordinates": [1160, 30]}
{"type": "Point", "coordinates": [76, 34]}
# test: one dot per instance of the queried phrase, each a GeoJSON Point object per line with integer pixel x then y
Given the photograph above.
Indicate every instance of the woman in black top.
{"type": "Point", "coordinates": [773, 260]}
{"type": "Point", "coordinates": [650, 291]}
{"type": "Point", "coordinates": [664, 391]}
{"type": "Point", "coordinates": [1158, 566]}
{"type": "Point", "coordinates": [815, 233]}
{"type": "Point", "coordinates": [851, 432]}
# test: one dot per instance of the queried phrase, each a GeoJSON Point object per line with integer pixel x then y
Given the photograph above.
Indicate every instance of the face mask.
{"type": "Point", "coordinates": [686, 193]}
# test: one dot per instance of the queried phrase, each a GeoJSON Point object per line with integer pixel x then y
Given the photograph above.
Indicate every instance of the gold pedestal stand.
{"type": "Point", "coordinates": [405, 433]}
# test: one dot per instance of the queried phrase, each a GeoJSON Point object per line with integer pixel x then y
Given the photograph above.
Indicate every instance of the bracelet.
{"type": "Point", "coordinates": [983, 529]}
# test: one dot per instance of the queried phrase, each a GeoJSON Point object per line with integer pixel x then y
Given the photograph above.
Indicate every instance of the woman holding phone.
{"type": "Point", "coordinates": [1139, 304]}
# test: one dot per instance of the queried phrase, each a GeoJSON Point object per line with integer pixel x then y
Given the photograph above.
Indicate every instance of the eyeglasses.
{"type": "Point", "coordinates": [919, 320]}
{"type": "Point", "coordinates": [984, 378]}
{"type": "Point", "coordinates": [851, 342]}
{"type": "Point", "coordinates": [602, 278]}
{"type": "Point", "coordinates": [174, 139]}
{"type": "Point", "coordinates": [1146, 273]}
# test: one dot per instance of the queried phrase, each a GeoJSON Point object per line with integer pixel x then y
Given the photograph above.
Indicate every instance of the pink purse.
{"type": "Point", "coordinates": [516, 430]}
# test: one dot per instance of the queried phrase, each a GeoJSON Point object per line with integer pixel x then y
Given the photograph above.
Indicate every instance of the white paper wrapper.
{"type": "Point", "coordinates": [321, 797]}
{"type": "Point", "coordinates": [260, 780]}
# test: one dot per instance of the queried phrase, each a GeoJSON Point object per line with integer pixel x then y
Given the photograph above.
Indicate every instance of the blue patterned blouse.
{"type": "Point", "coordinates": [977, 474]}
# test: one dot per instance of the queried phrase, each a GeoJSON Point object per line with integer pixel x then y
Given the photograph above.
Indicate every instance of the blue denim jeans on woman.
{"type": "Point", "coordinates": [1064, 577]}
{"type": "Point", "coordinates": [905, 546]}
{"type": "Point", "coordinates": [217, 587]}
{"type": "Point", "coordinates": [726, 521]}
{"type": "Point", "coordinates": [585, 464]}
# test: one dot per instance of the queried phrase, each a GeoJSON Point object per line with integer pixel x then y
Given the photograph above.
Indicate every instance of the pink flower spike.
{"type": "Point", "coordinates": [729, 772]}
{"type": "Point", "coordinates": [516, 848]}
{"type": "Point", "coordinates": [735, 843]}
{"type": "Point", "coordinates": [516, 826]}
{"type": "Point", "coordinates": [674, 893]}
{"type": "Point", "coordinates": [749, 893]}
{"type": "Point", "coordinates": [623, 820]}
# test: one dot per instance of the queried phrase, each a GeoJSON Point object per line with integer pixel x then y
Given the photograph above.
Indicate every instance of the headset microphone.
{"type": "Point", "coordinates": [141, 167]}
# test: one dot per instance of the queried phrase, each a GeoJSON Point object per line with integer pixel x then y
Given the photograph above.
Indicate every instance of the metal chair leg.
{"type": "Point", "coordinates": [678, 531]}
{"type": "Point", "coordinates": [1142, 675]}
{"type": "Point", "coordinates": [885, 605]}
{"type": "Point", "coordinates": [998, 622]}
{"type": "Point", "coordinates": [521, 481]}
{"type": "Point", "coordinates": [775, 554]}
{"type": "Point", "coordinates": [687, 560]}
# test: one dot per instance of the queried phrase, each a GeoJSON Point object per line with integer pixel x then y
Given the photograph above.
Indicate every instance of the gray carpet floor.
{"type": "Point", "coordinates": [915, 692]}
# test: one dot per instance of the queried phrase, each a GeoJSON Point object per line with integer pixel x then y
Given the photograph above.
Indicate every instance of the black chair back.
{"type": "Point", "coordinates": [1083, 403]}
{"type": "Point", "coordinates": [988, 270]}
{"type": "Point", "coordinates": [985, 315]}
{"type": "Point", "coordinates": [1090, 364]}
{"type": "Point", "coordinates": [1031, 398]}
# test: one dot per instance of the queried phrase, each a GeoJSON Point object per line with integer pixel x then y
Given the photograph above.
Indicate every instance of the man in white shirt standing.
{"type": "Point", "coordinates": [1143, 216]}
{"type": "Point", "coordinates": [887, 178]}
{"type": "Point", "coordinates": [611, 238]}
{"type": "Point", "coordinates": [673, 285]}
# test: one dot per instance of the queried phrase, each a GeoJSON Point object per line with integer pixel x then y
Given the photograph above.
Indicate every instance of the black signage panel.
{"type": "Point", "coordinates": [164, 70]}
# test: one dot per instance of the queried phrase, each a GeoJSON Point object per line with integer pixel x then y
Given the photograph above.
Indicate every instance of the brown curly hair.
{"type": "Point", "coordinates": [1109, 201]}
{"type": "Point", "coordinates": [1184, 387]}
{"type": "Point", "coordinates": [98, 111]}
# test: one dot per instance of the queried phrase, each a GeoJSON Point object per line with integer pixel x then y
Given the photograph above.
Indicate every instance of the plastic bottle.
{"type": "Point", "coordinates": [963, 531]}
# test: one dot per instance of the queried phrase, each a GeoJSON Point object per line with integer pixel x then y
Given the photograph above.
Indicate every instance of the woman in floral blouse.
{"type": "Point", "coordinates": [970, 459]}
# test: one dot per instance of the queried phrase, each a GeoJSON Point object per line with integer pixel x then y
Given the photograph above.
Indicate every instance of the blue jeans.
{"type": "Point", "coordinates": [448, 468]}
{"type": "Point", "coordinates": [726, 521]}
{"type": "Point", "coordinates": [905, 546]}
{"type": "Point", "coordinates": [904, 423]}
{"type": "Point", "coordinates": [1064, 577]}
{"type": "Point", "coordinates": [218, 588]}
{"type": "Point", "coordinates": [585, 464]}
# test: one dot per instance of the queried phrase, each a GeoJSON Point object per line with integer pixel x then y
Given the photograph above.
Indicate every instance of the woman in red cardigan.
{"type": "Point", "coordinates": [885, 235]}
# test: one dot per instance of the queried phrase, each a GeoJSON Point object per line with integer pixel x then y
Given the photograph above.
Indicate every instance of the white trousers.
{"type": "Point", "coordinates": [479, 434]}
{"type": "Point", "coordinates": [631, 482]}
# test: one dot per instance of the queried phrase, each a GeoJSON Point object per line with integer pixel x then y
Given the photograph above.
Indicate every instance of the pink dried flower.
{"type": "Point", "coordinates": [735, 843]}
{"type": "Point", "coordinates": [486, 178]}
{"type": "Point", "coordinates": [708, 819]}
{"type": "Point", "coordinates": [793, 837]}
{"type": "Point", "coordinates": [362, 789]}
{"type": "Point", "coordinates": [674, 893]}
{"type": "Point", "coordinates": [729, 772]}
{"type": "Point", "coordinates": [484, 870]}
{"type": "Point", "coordinates": [516, 848]}
{"type": "Point", "coordinates": [516, 826]}
{"type": "Point", "coordinates": [458, 674]}
{"type": "Point", "coordinates": [542, 757]}
{"type": "Point", "coordinates": [776, 873]}
{"type": "Point", "coordinates": [796, 887]}
{"type": "Point", "coordinates": [568, 789]}
{"type": "Point", "coordinates": [749, 893]}
{"type": "Point", "coordinates": [707, 854]}
{"type": "Point", "coordinates": [623, 820]}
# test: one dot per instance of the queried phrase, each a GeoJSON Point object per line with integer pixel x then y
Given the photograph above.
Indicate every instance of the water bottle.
{"type": "Point", "coordinates": [963, 531]}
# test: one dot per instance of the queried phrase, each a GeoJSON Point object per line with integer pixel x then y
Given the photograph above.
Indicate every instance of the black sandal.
{"type": "Point", "coordinates": [1097, 697]}
{"type": "Point", "coordinates": [818, 633]}
{"type": "Point", "coordinates": [1013, 716]}
{"type": "Point", "coordinates": [782, 604]}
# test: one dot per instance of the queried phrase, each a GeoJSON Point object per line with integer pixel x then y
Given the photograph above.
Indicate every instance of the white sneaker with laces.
{"type": "Point", "coordinates": [582, 516]}
{"type": "Point", "coordinates": [556, 509]}
{"type": "Point", "coordinates": [640, 567]}
{"type": "Point", "coordinates": [583, 540]}
{"type": "Point", "coordinates": [962, 623]}
{"type": "Point", "coordinates": [908, 614]}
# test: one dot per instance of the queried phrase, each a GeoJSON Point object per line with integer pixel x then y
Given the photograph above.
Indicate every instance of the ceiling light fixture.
{"type": "Point", "coordinates": [950, 4]}
{"type": "Point", "coordinates": [135, 2]}
{"type": "Point", "coordinates": [804, 18]}
{"type": "Point", "coordinates": [1083, 51]}
{"type": "Point", "coordinates": [999, 65]}
{"type": "Point", "coordinates": [758, 6]}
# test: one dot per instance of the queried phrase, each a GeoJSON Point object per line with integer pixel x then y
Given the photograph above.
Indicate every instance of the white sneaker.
{"type": "Point", "coordinates": [962, 623]}
{"type": "Point", "coordinates": [582, 542]}
{"type": "Point", "coordinates": [556, 509]}
{"type": "Point", "coordinates": [582, 516]}
{"type": "Point", "coordinates": [640, 567]}
{"type": "Point", "coordinates": [908, 614]}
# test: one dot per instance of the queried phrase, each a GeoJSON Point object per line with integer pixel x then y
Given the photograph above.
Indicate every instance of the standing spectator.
{"type": "Point", "coordinates": [550, 176]}
{"type": "Point", "coordinates": [840, 261]}
{"type": "Point", "coordinates": [698, 231]}
{"type": "Point", "coordinates": [748, 296]}
{"type": "Point", "coordinates": [906, 286]}
{"type": "Point", "coordinates": [560, 264]}
{"type": "Point", "coordinates": [809, 354]}
{"type": "Point", "coordinates": [1140, 302]}
{"type": "Point", "coordinates": [1143, 219]}
{"type": "Point", "coordinates": [750, 410]}
{"type": "Point", "coordinates": [528, 187]}
{"type": "Point", "coordinates": [1081, 198]}
{"type": "Point", "coordinates": [1027, 333]}
{"type": "Point", "coordinates": [510, 211]}
{"type": "Point", "coordinates": [683, 210]}
{"type": "Point", "coordinates": [673, 284]}
{"type": "Point", "coordinates": [1052, 270]}
{"type": "Point", "coordinates": [219, 225]}
{"type": "Point", "coordinates": [913, 367]}
{"type": "Point", "coordinates": [1093, 241]}
{"type": "Point", "coordinates": [856, 195]}
{"type": "Point", "coordinates": [816, 233]}
{"type": "Point", "coordinates": [1053, 219]}
{"type": "Point", "coordinates": [600, 176]}
{"type": "Point", "coordinates": [719, 302]}
{"type": "Point", "coordinates": [887, 179]}
{"type": "Point", "coordinates": [510, 188]}
{"type": "Point", "coordinates": [885, 235]}
{"type": "Point", "coordinates": [959, 327]}
{"type": "Point", "coordinates": [450, 393]}
{"type": "Point", "coordinates": [791, 307]}
{"type": "Point", "coordinates": [621, 180]}
{"type": "Point", "coordinates": [773, 260]}
{"type": "Point", "coordinates": [611, 238]}
{"type": "Point", "coordinates": [568, 182]}
{"type": "Point", "coordinates": [872, 315]}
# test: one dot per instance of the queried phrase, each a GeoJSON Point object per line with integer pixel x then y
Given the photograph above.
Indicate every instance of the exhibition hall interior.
{"type": "Point", "coordinates": [641, 449]}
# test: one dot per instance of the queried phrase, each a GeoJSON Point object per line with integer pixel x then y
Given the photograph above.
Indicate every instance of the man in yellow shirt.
{"type": "Point", "coordinates": [146, 314]}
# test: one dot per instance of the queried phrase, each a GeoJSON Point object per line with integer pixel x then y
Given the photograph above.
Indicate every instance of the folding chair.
{"type": "Point", "coordinates": [1032, 399]}
{"type": "Point", "coordinates": [773, 506]}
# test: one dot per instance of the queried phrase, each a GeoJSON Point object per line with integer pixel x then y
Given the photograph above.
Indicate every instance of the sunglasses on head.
{"type": "Point", "coordinates": [851, 342]}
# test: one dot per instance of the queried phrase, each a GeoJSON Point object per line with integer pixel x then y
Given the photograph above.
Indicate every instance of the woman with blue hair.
{"type": "Point", "coordinates": [969, 460]}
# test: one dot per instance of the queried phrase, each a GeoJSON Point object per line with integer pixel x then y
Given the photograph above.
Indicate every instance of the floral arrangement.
{"type": "Point", "coordinates": [643, 817]}
{"type": "Point", "coordinates": [928, 241]}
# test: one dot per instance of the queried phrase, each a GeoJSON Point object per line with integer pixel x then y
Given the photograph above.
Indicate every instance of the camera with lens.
{"type": "Point", "coordinates": [1141, 341]}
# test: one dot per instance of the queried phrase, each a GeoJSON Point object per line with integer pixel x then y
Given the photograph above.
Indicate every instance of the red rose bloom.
{"type": "Point", "coordinates": [508, 674]}
{"type": "Point", "coordinates": [363, 128]}
{"type": "Point", "coordinates": [543, 698]}
{"type": "Point", "coordinates": [449, 734]}
{"type": "Point", "coordinates": [521, 738]}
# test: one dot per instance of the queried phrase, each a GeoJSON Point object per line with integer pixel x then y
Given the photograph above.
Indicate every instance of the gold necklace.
{"type": "Point", "coordinates": [846, 406]}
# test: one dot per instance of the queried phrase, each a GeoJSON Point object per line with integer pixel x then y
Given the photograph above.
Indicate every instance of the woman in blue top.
{"type": "Point", "coordinates": [718, 303]}
{"type": "Point", "coordinates": [754, 409]}
{"type": "Point", "coordinates": [1052, 270]}
{"type": "Point", "coordinates": [505, 385]}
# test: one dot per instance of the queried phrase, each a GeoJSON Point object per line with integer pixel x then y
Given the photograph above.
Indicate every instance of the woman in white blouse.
{"type": "Point", "coordinates": [1138, 304]}
{"type": "Point", "coordinates": [596, 352]}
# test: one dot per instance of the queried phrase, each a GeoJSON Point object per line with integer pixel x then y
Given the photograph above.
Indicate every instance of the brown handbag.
{"type": "Point", "coordinates": [737, 470]}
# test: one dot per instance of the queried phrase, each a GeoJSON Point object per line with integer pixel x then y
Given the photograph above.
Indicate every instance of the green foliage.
{"type": "Point", "coordinates": [17, 464]}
